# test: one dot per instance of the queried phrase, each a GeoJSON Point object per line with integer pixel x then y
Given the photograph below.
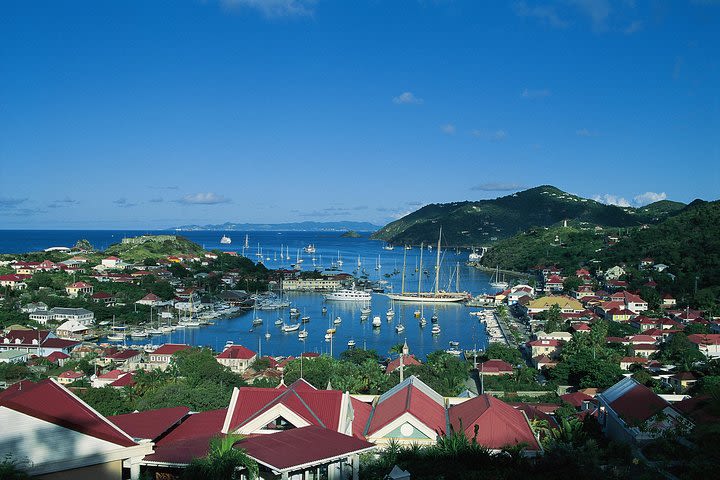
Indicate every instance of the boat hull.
{"type": "Point", "coordinates": [429, 298]}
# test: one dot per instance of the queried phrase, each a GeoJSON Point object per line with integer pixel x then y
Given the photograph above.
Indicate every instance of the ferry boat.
{"type": "Point", "coordinates": [349, 294]}
{"type": "Point", "coordinates": [225, 240]}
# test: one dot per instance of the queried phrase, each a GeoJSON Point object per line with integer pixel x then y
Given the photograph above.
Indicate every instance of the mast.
{"type": "Point", "coordinates": [457, 277]}
{"type": "Point", "coordinates": [402, 283]}
{"type": "Point", "coordinates": [420, 272]}
{"type": "Point", "coordinates": [437, 265]}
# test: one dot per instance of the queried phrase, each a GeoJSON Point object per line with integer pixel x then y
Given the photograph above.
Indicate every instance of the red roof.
{"type": "Point", "coordinates": [394, 364]}
{"type": "Point", "coordinates": [409, 398]}
{"type": "Point", "coordinates": [705, 338]}
{"type": "Point", "coordinates": [26, 337]}
{"type": "Point", "coordinates": [59, 343]}
{"type": "Point", "coordinates": [79, 285]}
{"type": "Point", "coordinates": [49, 401]}
{"type": "Point", "coordinates": [124, 381]}
{"type": "Point", "coordinates": [71, 374]}
{"type": "Point", "coordinates": [55, 356]}
{"type": "Point", "coordinates": [361, 416]}
{"type": "Point", "coordinates": [124, 354]}
{"type": "Point", "coordinates": [495, 366]}
{"type": "Point", "coordinates": [642, 339]}
{"type": "Point", "coordinates": [237, 351]}
{"type": "Point", "coordinates": [545, 343]}
{"type": "Point", "coordinates": [112, 375]}
{"type": "Point", "coordinates": [640, 360]}
{"type": "Point", "coordinates": [151, 424]}
{"type": "Point", "coordinates": [638, 404]}
{"type": "Point", "coordinates": [14, 277]}
{"type": "Point", "coordinates": [554, 280]}
{"type": "Point", "coordinates": [301, 446]}
{"type": "Point", "coordinates": [499, 424]}
{"type": "Point", "coordinates": [170, 348]}
{"type": "Point", "coordinates": [318, 407]}
{"type": "Point", "coordinates": [575, 399]}
{"type": "Point", "coordinates": [191, 439]}
{"type": "Point", "coordinates": [151, 297]}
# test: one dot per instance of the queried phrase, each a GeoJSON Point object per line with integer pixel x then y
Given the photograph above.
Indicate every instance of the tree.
{"type": "Point", "coordinates": [680, 351]}
{"type": "Point", "coordinates": [223, 462]}
{"type": "Point", "coordinates": [107, 400]}
{"type": "Point", "coordinates": [571, 283]}
{"type": "Point", "coordinates": [359, 356]}
{"type": "Point", "coordinates": [553, 319]}
{"type": "Point", "coordinates": [500, 351]}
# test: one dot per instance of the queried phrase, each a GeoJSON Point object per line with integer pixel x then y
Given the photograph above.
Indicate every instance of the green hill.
{"type": "Point", "coordinates": [487, 221]}
{"type": "Point", "coordinates": [136, 249]}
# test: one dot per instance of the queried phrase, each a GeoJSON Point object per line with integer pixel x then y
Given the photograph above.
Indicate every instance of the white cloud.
{"type": "Point", "coordinates": [496, 135]}
{"type": "Point", "coordinates": [545, 13]}
{"type": "Point", "coordinates": [208, 198]}
{"type": "Point", "coordinates": [610, 199]}
{"type": "Point", "coordinates": [274, 8]}
{"type": "Point", "coordinates": [584, 132]}
{"type": "Point", "coordinates": [407, 98]}
{"type": "Point", "coordinates": [528, 93]}
{"type": "Point", "coordinates": [649, 197]}
{"type": "Point", "coordinates": [448, 128]}
{"type": "Point", "coordinates": [497, 187]}
{"type": "Point", "coordinates": [638, 200]}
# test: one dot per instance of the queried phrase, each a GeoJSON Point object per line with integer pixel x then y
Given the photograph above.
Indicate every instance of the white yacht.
{"type": "Point", "coordinates": [399, 328]}
{"type": "Point", "coordinates": [376, 322]}
{"type": "Point", "coordinates": [349, 294]}
{"type": "Point", "coordinates": [310, 248]}
{"type": "Point", "coordinates": [291, 328]}
{"type": "Point", "coordinates": [435, 329]}
{"type": "Point", "coordinates": [225, 240]}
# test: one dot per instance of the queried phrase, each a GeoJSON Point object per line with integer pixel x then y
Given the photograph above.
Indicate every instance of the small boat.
{"type": "Point", "coordinates": [454, 344]}
{"type": "Point", "coordinates": [225, 240]}
{"type": "Point", "coordinates": [294, 312]}
{"type": "Point", "coordinates": [434, 318]}
{"type": "Point", "coordinates": [291, 328]}
{"type": "Point", "coordinates": [365, 311]}
{"type": "Point", "coordinates": [416, 313]}
{"type": "Point", "coordinates": [310, 248]}
{"type": "Point", "coordinates": [257, 321]}
{"type": "Point", "coordinates": [337, 320]}
{"type": "Point", "coordinates": [116, 337]}
{"type": "Point", "coordinates": [305, 318]}
{"type": "Point", "coordinates": [166, 329]}
{"type": "Point", "coordinates": [328, 337]}
{"type": "Point", "coordinates": [279, 322]}
{"type": "Point", "coordinates": [454, 352]}
{"type": "Point", "coordinates": [376, 322]}
{"type": "Point", "coordinates": [388, 247]}
{"type": "Point", "coordinates": [330, 331]}
{"type": "Point", "coordinates": [139, 334]}
{"type": "Point", "coordinates": [302, 334]}
{"type": "Point", "coordinates": [324, 310]}
{"type": "Point", "coordinates": [435, 329]}
{"type": "Point", "coordinates": [423, 322]}
{"type": "Point", "coordinates": [399, 328]}
{"type": "Point", "coordinates": [390, 313]}
{"type": "Point", "coordinates": [351, 343]}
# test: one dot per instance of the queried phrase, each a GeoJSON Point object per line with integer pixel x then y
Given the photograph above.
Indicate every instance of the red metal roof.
{"type": "Point", "coordinates": [362, 413]}
{"type": "Point", "coordinates": [52, 403]}
{"type": "Point", "coordinates": [495, 366]}
{"type": "Point", "coordinates": [55, 356]}
{"type": "Point", "coordinates": [124, 354]}
{"type": "Point", "coordinates": [151, 424]}
{"type": "Point", "coordinates": [191, 439]}
{"type": "Point", "coordinates": [395, 363]}
{"type": "Point", "coordinates": [575, 399]}
{"type": "Point", "coordinates": [499, 424]}
{"type": "Point", "coordinates": [71, 374]}
{"type": "Point", "coordinates": [59, 343]}
{"type": "Point", "coordinates": [170, 348]}
{"type": "Point", "coordinates": [301, 446]}
{"type": "Point", "coordinates": [638, 404]}
{"type": "Point", "coordinates": [237, 351]}
{"type": "Point", "coordinates": [412, 400]}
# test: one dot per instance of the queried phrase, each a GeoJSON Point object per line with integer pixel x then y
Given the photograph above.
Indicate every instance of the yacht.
{"type": "Point", "coordinates": [351, 343]}
{"type": "Point", "coordinates": [495, 281]}
{"type": "Point", "coordinates": [376, 322]}
{"type": "Point", "coordinates": [139, 334]}
{"type": "Point", "coordinates": [116, 337]}
{"type": "Point", "coordinates": [257, 321]}
{"type": "Point", "coordinates": [399, 328]}
{"type": "Point", "coordinates": [435, 329]}
{"type": "Point", "coordinates": [337, 320]}
{"type": "Point", "coordinates": [225, 240]}
{"type": "Point", "coordinates": [302, 334]}
{"type": "Point", "coordinates": [388, 247]}
{"type": "Point", "coordinates": [305, 318]}
{"type": "Point", "coordinates": [310, 248]}
{"type": "Point", "coordinates": [365, 311]}
{"type": "Point", "coordinates": [423, 322]}
{"type": "Point", "coordinates": [291, 328]}
{"type": "Point", "coordinates": [349, 294]}
{"type": "Point", "coordinates": [279, 322]}
{"type": "Point", "coordinates": [294, 312]}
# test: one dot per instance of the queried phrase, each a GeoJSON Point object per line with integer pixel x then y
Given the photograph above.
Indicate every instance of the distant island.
{"type": "Point", "coordinates": [351, 234]}
{"type": "Point", "coordinates": [284, 227]}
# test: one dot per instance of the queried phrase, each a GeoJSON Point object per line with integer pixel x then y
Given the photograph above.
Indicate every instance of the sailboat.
{"type": "Point", "coordinates": [391, 311]}
{"type": "Point", "coordinates": [495, 281]}
{"type": "Point", "coordinates": [339, 260]}
{"type": "Point", "coordinates": [377, 265]}
{"type": "Point", "coordinates": [267, 333]}
{"type": "Point", "coordinates": [118, 333]}
{"type": "Point", "coordinates": [256, 321]}
{"type": "Point", "coordinates": [437, 296]}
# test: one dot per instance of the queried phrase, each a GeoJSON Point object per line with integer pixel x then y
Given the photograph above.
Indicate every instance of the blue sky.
{"type": "Point", "coordinates": [150, 113]}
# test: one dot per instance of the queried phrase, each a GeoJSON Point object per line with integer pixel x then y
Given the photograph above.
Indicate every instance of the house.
{"type": "Point", "coordinates": [614, 273]}
{"type": "Point", "coordinates": [33, 307]}
{"type": "Point", "coordinates": [495, 367]}
{"type": "Point", "coordinates": [583, 291]}
{"type": "Point", "coordinates": [562, 336]}
{"type": "Point", "coordinates": [111, 262]}
{"type": "Point", "coordinates": [632, 413]}
{"type": "Point", "coordinates": [150, 299]}
{"type": "Point", "coordinates": [13, 356]}
{"type": "Point", "coordinates": [82, 315]}
{"type": "Point", "coordinates": [58, 358]}
{"type": "Point", "coordinates": [14, 281]}
{"type": "Point", "coordinates": [580, 328]}
{"type": "Point", "coordinates": [668, 301]}
{"type": "Point", "coordinates": [79, 288]}
{"type": "Point", "coordinates": [125, 357]}
{"type": "Point", "coordinates": [493, 424]}
{"type": "Point", "coordinates": [102, 297]}
{"type": "Point", "coordinates": [643, 350]}
{"type": "Point", "coordinates": [631, 301]}
{"type": "Point", "coordinates": [108, 378]}
{"type": "Point", "coordinates": [164, 353]}
{"type": "Point", "coordinates": [619, 315]}
{"type": "Point", "coordinates": [627, 362]}
{"type": "Point", "coordinates": [72, 330]}
{"type": "Point", "coordinates": [236, 357]}
{"type": "Point", "coordinates": [543, 361]}
{"type": "Point", "coordinates": [579, 400]}
{"type": "Point", "coordinates": [409, 413]}
{"type": "Point", "coordinates": [566, 304]}
{"type": "Point", "coordinates": [255, 410]}
{"type": "Point", "coordinates": [551, 348]}
{"type": "Point", "coordinates": [708, 344]}
{"type": "Point", "coordinates": [59, 436]}
{"type": "Point", "coordinates": [70, 376]}
{"type": "Point", "coordinates": [682, 381]}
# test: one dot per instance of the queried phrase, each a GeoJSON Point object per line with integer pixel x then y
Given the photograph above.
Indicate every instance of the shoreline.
{"type": "Point", "coordinates": [490, 269]}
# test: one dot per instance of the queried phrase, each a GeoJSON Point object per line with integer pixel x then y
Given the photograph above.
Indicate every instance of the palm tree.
{"type": "Point", "coordinates": [223, 461]}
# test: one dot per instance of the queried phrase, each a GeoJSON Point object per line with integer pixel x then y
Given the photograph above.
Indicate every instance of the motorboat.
{"type": "Point", "coordinates": [351, 343]}
{"type": "Point", "coordinates": [279, 322]}
{"type": "Point", "coordinates": [291, 328]}
{"type": "Point", "coordinates": [349, 295]}
{"type": "Point", "coordinates": [435, 329]}
{"type": "Point", "coordinates": [302, 334]}
{"type": "Point", "coordinates": [225, 240]}
{"type": "Point", "coordinates": [337, 320]}
{"type": "Point", "coordinates": [376, 322]}
{"type": "Point", "coordinates": [399, 328]}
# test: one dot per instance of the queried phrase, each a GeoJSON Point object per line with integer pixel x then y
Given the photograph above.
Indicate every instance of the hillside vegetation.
{"type": "Point", "coordinates": [487, 221]}
{"type": "Point", "coordinates": [153, 246]}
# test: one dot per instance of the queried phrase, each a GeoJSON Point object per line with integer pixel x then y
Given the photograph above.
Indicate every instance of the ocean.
{"type": "Point", "coordinates": [454, 320]}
